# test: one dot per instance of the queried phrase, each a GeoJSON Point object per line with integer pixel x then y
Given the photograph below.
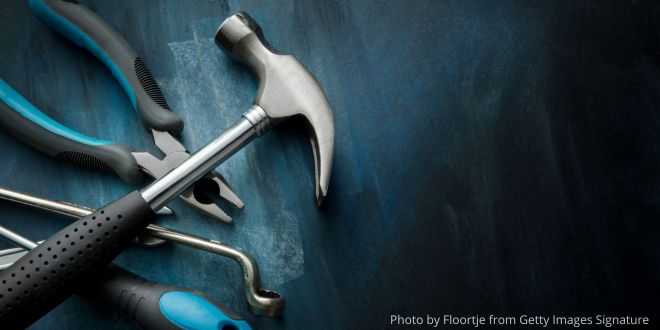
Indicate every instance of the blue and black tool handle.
{"type": "Point", "coordinates": [30, 125]}
{"type": "Point", "coordinates": [51, 272]}
{"type": "Point", "coordinates": [77, 256]}
{"type": "Point", "coordinates": [153, 306]}
{"type": "Point", "coordinates": [158, 306]}
{"type": "Point", "coordinates": [86, 29]}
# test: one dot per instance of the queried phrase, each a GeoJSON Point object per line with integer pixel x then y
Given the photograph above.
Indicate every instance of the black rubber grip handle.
{"type": "Point", "coordinates": [86, 29]}
{"type": "Point", "coordinates": [73, 147]}
{"type": "Point", "coordinates": [52, 271]}
{"type": "Point", "coordinates": [146, 302]}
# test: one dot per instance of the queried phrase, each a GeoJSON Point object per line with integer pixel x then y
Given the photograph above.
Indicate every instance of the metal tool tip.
{"type": "Point", "coordinates": [165, 211]}
{"type": "Point", "coordinates": [320, 196]}
{"type": "Point", "coordinates": [322, 167]}
{"type": "Point", "coordinates": [266, 302]}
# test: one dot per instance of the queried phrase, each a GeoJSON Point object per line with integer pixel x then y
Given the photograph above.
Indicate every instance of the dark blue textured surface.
{"type": "Point", "coordinates": [491, 157]}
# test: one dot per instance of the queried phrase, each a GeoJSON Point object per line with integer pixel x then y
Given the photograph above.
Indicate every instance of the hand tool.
{"type": "Point", "coordinates": [27, 123]}
{"type": "Point", "coordinates": [286, 89]}
{"type": "Point", "coordinates": [9, 256]}
{"type": "Point", "coordinates": [152, 305]}
{"type": "Point", "coordinates": [260, 301]}
{"type": "Point", "coordinates": [144, 240]}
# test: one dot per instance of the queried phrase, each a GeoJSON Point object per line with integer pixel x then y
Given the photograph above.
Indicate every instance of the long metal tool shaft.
{"type": "Point", "coordinates": [17, 239]}
{"type": "Point", "coordinates": [260, 300]}
{"type": "Point", "coordinates": [253, 123]}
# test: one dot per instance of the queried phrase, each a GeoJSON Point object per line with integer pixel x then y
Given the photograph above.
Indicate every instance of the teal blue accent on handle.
{"type": "Point", "coordinates": [80, 38]}
{"type": "Point", "coordinates": [17, 102]}
{"type": "Point", "coordinates": [190, 311]}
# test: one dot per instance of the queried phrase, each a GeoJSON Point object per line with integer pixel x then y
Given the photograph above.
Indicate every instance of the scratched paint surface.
{"type": "Point", "coordinates": [492, 157]}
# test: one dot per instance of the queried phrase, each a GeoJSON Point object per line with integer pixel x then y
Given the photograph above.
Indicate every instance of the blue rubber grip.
{"type": "Point", "coordinates": [190, 311]}
{"type": "Point", "coordinates": [87, 30]}
{"type": "Point", "coordinates": [80, 38]}
{"type": "Point", "coordinates": [158, 306]}
{"type": "Point", "coordinates": [17, 102]}
{"type": "Point", "coordinates": [27, 123]}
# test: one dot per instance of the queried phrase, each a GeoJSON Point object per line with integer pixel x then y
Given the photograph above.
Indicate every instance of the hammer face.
{"type": "Point", "coordinates": [233, 30]}
{"type": "Point", "coordinates": [286, 89]}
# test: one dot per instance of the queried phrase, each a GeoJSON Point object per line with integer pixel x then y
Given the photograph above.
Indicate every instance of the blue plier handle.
{"type": "Point", "coordinates": [88, 30]}
{"type": "Point", "coordinates": [29, 124]}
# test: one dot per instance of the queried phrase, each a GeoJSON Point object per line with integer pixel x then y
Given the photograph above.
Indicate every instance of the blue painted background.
{"type": "Point", "coordinates": [492, 157]}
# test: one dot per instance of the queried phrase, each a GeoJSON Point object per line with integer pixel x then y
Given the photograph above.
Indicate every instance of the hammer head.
{"type": "Point", "coordinates": [286, 89]}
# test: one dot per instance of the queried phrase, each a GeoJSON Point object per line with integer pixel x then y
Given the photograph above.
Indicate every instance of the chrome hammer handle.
{"type": "Point", "coordinates": [254, 122]}
{"type": "Point", "coordinates": [48, 274]}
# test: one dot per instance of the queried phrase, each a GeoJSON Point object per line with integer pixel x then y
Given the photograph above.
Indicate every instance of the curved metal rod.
{"type": "Point", "coordinates": [260, 301]}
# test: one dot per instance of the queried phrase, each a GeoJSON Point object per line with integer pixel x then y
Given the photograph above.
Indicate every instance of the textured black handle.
{"type": "Point", "coordinates": [51, 272]}
{"type": "Point", "coordinates": [82, 26]}
{"type": "Point", "coordinates": [139, 298]}
{"type": "Point", "coordinates": [131, 295]}
{"type": "Point", "coordinates": [114, 157]}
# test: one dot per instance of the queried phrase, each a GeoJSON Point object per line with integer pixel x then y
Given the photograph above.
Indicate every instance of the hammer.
{"type": "Point", "coordinates": [286, 89]}
{"type": "Point", "coordinates": [49, 273]}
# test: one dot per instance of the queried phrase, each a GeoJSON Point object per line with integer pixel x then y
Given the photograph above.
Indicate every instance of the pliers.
{"type": "Point", "coordinates": [27, 123]}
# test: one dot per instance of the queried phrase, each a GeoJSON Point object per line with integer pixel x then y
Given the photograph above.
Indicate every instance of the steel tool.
{"type": "Point", "coordinates": [152, 305]}
{"type": "Point", "coordinates": [142, 239]}
{"type": "Point", "coordinates": [260, 301]}
{"type": "Point", "coordinates": [9, 256]}
{"type": "Point", "coordinates": [30, 125]}
{"type": "Point", "coordinates": [286, 90]}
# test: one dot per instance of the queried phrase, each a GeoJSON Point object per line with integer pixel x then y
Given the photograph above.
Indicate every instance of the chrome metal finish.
{"type": "Point", "coordinates": [161, 191]}
{"type": "Point", "coordinates": [286, 89]}
{"type": "Point", "coordinates": [60, 207]}
{"type": "Point", "coordinates": [17, 239]}
{"type": "Point", "coordinates": [10, 251]}
{"type": "Point", "coordinates": [165, 211]}
{"type": "Point", "coordinates": [260, 301]}
{"type": "Point", "coordinates": [175, 154]}
{"type": "Point", "coordinates": [70, 210]}
{"type": "Point", "coordinates": [9, 256]}
{"type": "Point", "coordinates": [63, 208]}
{"type": "Point", "coordinates": [259, 119]}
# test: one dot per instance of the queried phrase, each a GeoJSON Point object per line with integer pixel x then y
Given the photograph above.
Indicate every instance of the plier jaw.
{"type": "Point", "coordinates": [205, 191]}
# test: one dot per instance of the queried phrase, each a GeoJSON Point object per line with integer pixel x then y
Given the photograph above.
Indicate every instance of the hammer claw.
{"type": "Point", "coordinates": [286, 89]}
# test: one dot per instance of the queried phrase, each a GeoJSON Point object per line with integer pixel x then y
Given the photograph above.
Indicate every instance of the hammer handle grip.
{"type": "Point", "coordinates": [51, 272]}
